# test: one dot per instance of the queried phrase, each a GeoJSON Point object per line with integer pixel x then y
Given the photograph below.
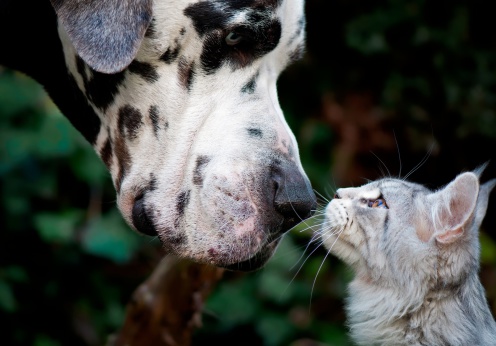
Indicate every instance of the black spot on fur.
{"type": "Point", "coordinates": [255, 132]}
{"type": "Point", "coordinates": [386, 223]}
{"type": "Point", "coordinates": [170, 55]}
{"type": "Point", "coordinates": [186, 73]}
{"type": "Point", "coordinates": [152, 184]}
{"type": "Point", "coordinates": [151, 32]}
{"type": "Point", "coordinates": [154, 117]}
{"type": "Point", "coordinates": [183, 31]}
{"type": "Point", "coordinates": [106, 152]}
{"type": "Point", "coordinates": [299, 30]}
{"type": "Point", "coordinates": [82, 116]}
{"type": "Point", "coordinates": [101, 88]}
{"type": "Point", "coordinates": [201, 162]}
{"type": "Point", "coordinates": [81, 68]}
{"type": "Point", "coordinates": [130, 121]}
{"type": "Point", "coordinates": [207, 16]}
{"type": "Point", "coordinates": [297, 53]}
{"type": "Point", "coordinates": [145, 70]}
{"type": "Point", "coordinates": [291, 153]}
{"type": "Point", "coordinates": [173, 239]}
{"type": "Point", "coordinates": [249, 88]}
{"type": "Point", "coordinates": [124, 160]}
{"type": "Point", "coordinates": [181, 202]}
{"type": "Point", "coordinates": [261, 32]}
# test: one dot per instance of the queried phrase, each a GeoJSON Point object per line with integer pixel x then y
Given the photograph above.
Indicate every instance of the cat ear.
{"type": "Point", "coordinates": [482, 201]}
{"type": "Point", "coordinates": [453, 206]}
{"type": "Point", "coordinates": [479, 170]}
{"type": "Point", "coordinates": [105, 33]}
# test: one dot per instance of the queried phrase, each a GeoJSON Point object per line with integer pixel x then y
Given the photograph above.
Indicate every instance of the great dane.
{"type": "Point", "coordinates": [179, 100]}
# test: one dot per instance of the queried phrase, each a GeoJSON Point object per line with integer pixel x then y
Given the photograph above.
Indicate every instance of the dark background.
{"type": "Point", "coordinates": [385, 88]}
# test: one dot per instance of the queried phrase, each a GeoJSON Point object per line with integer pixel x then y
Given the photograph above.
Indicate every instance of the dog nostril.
{"type": "Point", "coordinates": [294, 198]}
{"type": "Point", "coordinates": [141, 221]}
{"type": "Point", "coordinates": [337, 196]}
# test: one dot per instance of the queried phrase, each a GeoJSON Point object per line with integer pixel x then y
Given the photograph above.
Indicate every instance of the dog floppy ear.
{"type": "Point", "coordinates": [106, 33]}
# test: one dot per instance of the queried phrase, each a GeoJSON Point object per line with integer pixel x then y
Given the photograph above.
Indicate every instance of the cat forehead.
{"type": "Point", "coordinates": [366, 191]}
{"type": "Point", "coordinates": [386, 186]}
{"type": "Point", "coordinates": [390, 185]}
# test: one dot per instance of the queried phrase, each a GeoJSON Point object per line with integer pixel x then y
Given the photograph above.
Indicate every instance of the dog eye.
{"type": "Point", "coordinates": [378, 203]}
{"type": "Point", "coordinates": [233, 38]}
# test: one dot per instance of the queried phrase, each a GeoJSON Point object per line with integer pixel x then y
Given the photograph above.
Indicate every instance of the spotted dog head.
{"type": "Point", "coordinates": [188, 119]}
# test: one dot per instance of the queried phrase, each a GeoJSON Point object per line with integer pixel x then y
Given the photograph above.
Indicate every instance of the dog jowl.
{"type": "Point", "coordinates": [179, 100]}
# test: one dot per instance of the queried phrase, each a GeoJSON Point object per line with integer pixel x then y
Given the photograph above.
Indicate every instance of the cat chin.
{"type": "Point", "coordinates": [344, 250]}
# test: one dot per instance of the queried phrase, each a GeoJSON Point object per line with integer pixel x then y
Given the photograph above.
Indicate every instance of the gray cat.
{"type": "Point", "coordinates": [415, 255]}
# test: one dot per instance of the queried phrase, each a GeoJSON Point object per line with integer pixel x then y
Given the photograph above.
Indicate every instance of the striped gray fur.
{"type": "Point", "coordinates": [415, 259]}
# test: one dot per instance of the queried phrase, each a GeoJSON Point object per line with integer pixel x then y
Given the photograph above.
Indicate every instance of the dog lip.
{"type": "Point", "coordinates": [249, 265]}
{"type": "Point", "coordinates": [257, 261]}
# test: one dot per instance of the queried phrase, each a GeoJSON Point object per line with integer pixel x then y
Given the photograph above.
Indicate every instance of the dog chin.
{"type": "Point", "coordinates": [256, 262]}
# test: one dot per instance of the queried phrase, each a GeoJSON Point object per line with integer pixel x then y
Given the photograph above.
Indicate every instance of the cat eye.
{"type": "Point", "coordinates": [233, 38]}
{"type": "Point", "coordinates": [378, 203]}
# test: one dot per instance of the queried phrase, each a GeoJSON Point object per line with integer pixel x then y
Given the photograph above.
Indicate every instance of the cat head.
{"type": "Point", "coordinates": [395, 232]}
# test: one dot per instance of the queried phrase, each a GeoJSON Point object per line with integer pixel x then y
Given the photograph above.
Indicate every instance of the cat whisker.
{"type": "Point", "coordinates": [302, 255]}
{"type": "Point", "coordinates": [318, 225]}
{"type": "Point", "coordinates": [330, 193]}
{"type": "Point", "coordinates": [399, 154]}
{"type": "Point", "coordinates": [317, 235]}
{"type": "Point", "coordinates": [334, 231]}
{"type": "Point", "coordinates": [421, 163]}
{"type": "Point", "coordinates": [382, 172]}
{"type": "Point", "coordinates": [321, 197]}
{"type": "Point", "coordinates": [323, 261]}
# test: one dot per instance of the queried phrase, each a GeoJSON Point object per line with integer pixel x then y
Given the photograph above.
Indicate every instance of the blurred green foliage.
{"type": "Point", "coordinates": [407, 78]}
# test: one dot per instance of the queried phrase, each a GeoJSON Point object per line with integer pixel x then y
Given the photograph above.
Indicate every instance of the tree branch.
{"type": "Point", "coordinates": [166, 308]}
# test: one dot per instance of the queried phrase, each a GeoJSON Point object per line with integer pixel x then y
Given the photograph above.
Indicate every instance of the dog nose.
{"type": "Point", "coordinates": [294, 198]}
{"type": "Point", "coordinates": [141, 220]}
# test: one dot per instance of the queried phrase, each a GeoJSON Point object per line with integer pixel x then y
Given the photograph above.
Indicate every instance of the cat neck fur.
{"type": "Point", "coordinates": [457, 315]}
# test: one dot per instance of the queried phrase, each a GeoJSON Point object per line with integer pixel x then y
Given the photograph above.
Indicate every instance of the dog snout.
{"type": "Point", "coordinates": [294, 198]}
{"type": "Point", "coordinates": [141, 220]}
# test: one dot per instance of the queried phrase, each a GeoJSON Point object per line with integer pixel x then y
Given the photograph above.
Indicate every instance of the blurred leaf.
{"type": "Point", "coordinates": [233, 304]}
{"type": "Point", "coordinates": [333, 334]}
{"type": "Point", "coordinates": [488, 249]}
{"type": "Point", "coordinates": [7, 300]}
{"type": "Point", "coordinates": [275, 281]}
{"type": "Point", "coordinates": [274, 328]}
{"type": "Point", "coordinates": [55, 137]}
{"type": "Point", "coordinates": [16, 147]}
{"type": "Point", "coordinates": [15, 273]}
{"type": "Point", "coordinates": [109, 236]}
{"type": "Point", "coordinates": [18, 92]}
{"type": "Point", "coordinates": [43, 340]}
{"type": "Point", "coordinates": [115, 313]}
{"type": "Point", "coordinates": [89, 167]}
{"type": "Point", "coordinates": [58, 227]}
